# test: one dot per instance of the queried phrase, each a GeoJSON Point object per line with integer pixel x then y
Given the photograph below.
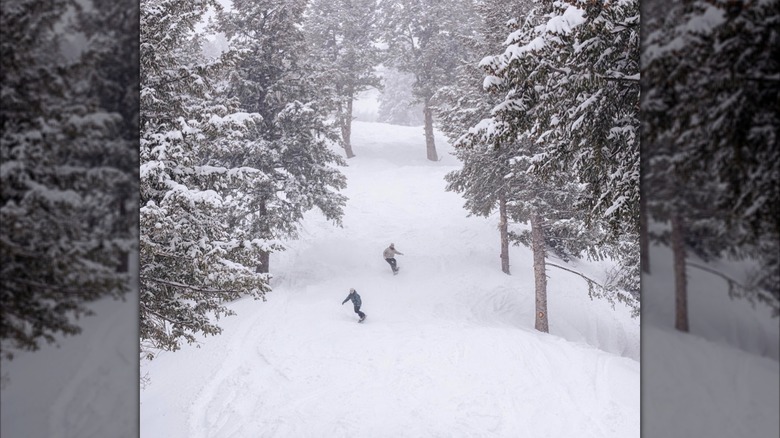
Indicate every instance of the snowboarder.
{"type": "Point", "coordinates": [355, 298]}
{"type": "Point", "coordinates": [389, 255]}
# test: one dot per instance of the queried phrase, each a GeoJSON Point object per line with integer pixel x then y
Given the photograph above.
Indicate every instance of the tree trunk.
{"type": "Point", "coordinates": [263, 262]}
{"type": "Point", "coordinates": [264, 259]}
{"type": "Point", "coordinates": [680, 283]}
{"type": "Point", "coordinates": [644, 239]}
{"type": "Point", "coordinates": [540, 276]}
{"type": "Point", "coordinates": [346, 128]}
{"type": "Point", "coordinates": [429, 143]}
{"type": "Point", "coordinates": [124, 257]}
{"type": "Point", "coordinates": [503, 228]}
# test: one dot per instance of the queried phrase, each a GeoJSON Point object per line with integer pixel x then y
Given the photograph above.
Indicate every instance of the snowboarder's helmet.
{"type": "Point", "coordinates": [351, 290]}
{"type": "Point", "coordinates": [392, 245]}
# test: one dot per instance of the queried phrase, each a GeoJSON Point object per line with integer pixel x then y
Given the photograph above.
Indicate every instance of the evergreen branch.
{"type": "Point", "coordinates": [600, 76]}
{"type": "Point", "coordinates": [625, 25]}
{"type": "Point", "coordinates": [619, 79]}
{"type": "Point", "coordinates": [163, 318]}
{"type": "Point", "coordinates": [557, 70]}
{"type": "Point", "coordinates": [187, 286]}
{"type": "Point", "coordinates": [169, 81]}
{"type": "Point", "coordinates": [762, 79]}
{"type": "Point", "coordinates": [78, 289]}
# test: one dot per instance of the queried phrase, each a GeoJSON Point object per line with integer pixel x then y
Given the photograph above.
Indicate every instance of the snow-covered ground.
{"type": "Point", "coordinates": [84, 388]}
{"type": "Point", "coordinates": [721, 379]}
{"type": "Point", "coordinates": [448, 348]}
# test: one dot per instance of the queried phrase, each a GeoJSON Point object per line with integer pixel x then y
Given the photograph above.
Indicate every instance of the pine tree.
{"type": "Point", "coordinates": [111, 77]}
{"type": "Point", "coordinates": [67, 165]}
{"type": "Point", "coordinates": [482, 183]}
{"type": "Point", "coordinates": [589, 110]}
{"type": "Point", "coordinates": [546, 204]}
{"type": "Point", "coordinates": [498, 169]}
{"type": "Point", "coordinates": [465, 104]}
{"type": "Point", "coordinates": [341, 39]}
{"type": "Point", "coordinates": [712, 118]}
{"type": "Point", "coordinates": [396, 103]}
{"type": "Point", "coordinates": [197, 248]}
{"type": "Point", "coordinates": [291, 144]}
{"type": "Point", "coordinates": [569, 78]}
{"type": "Point", "coordinates": [424, 38]}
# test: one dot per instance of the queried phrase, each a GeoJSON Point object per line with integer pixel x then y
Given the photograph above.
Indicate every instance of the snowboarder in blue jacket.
{"type": "Point", "coordinates": [355, 298]}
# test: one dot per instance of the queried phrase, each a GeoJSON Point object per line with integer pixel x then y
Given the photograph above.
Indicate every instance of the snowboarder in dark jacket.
{"type": "Point", "coordinates": [355, 298]}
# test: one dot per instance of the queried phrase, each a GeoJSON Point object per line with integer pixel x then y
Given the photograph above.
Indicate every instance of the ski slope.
{"type": "Point", "coordinates": [82, 387]}
{"type": "Point", "coordinates": [721, 380]}
{"type": "Point", "coordinates": [448, 348]}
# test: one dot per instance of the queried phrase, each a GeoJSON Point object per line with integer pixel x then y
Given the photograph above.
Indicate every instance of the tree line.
{"type": "Point", "coordinates": [541, 101]}
{"type": "Point", "coordinates": [710, 144]}
{"type": "Point", "coordinates": [69, 172]}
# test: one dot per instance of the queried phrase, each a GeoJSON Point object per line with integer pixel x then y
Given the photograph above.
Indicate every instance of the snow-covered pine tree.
{"type": "Point", "coordinates": [497, 157]}
{"type": "Point", "coordinates": [424, 38]}
{"type": "Point", "coordinates": [546, 203]}
{"type": "Point", "coordinates": [397, 103]}
{"type": "Point", "coordinates": [711, 126]}
{"type": "Point", "coordinates": [67, 168]}
{"type": "Point", "coordinates": [341, 36]}
{"type": "Point", "coordinates": [481, 181]}
{"type": "Point", "coordinates": [197, 248]}
{"type": "Point", "coordinates": [463, 105]}
{"type": "Point", "coordinates": [588, 111]}
{"type": "Point", "coordinates": [571, 81]}
{"type": "Point", "coordinates": [291, 144]}
{"type": "Point", "coordinates": [657, 14]}
{"type": "Point", "coordinates": [111, 76]}
{"type": "Point", "coordinates": [684, 201]}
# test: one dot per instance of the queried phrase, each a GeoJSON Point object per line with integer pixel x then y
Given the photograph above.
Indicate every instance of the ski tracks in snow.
{"type": "Point", "coordinates": [97, 392]}
{"type": "Point", "coordinates": [448, 348]}
{"type": "Point", "coordinates": [228, 398]}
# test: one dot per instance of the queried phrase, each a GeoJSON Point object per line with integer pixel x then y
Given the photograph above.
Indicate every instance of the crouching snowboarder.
{"type": "Point", "coordinates": [389, 255]}
{"type": "Point", "coordinates": [355, 298]}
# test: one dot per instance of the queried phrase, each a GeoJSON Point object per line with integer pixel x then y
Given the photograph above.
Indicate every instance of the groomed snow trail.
{"type": "Point", "coordinates": [448, 348]}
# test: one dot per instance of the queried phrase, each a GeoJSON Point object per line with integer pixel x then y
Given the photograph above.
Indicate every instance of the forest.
{"type": "Point", "coordinates": [195, 137]}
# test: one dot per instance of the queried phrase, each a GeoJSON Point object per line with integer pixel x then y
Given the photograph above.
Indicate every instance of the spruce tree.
{"type": "Point", "coordinates": [464, 104]}
{"type": "Point", "coordinates": [292, 142]}
{"type": "Point", "coordinates": [396, 103]}
{"type": "Point", "coordinates": [424, 38]}
{"type": "Point", "coordinates": [341, 37]}
{"type": "Point", "coordinates": [711, 129]}
{"type": "Point", "coordinates": [67, 175]}
{"type": "Point", "coordinates": [568, 78]}
{"type": "Point", "coordinates": [111, 76]}
{"type": "Point", "coordinates": [197, 249]}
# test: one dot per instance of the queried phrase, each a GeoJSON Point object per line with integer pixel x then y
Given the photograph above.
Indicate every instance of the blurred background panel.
{"type": "Point", "coordinates": [69, 212]}
{"type": "Point", "coordinates": [711, 236]}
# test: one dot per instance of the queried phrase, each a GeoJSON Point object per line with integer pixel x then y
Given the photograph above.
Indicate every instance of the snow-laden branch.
{"type": "Point", "coordinates": [632, 78]}
{"type": "Point", "coordinates": [185, 286]}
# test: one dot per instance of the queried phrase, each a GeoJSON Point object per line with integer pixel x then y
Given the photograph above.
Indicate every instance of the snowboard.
{"type": "Point", "coordinates": [360, 321]}
{"type": "Point", "coordinates": [397, 268]}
